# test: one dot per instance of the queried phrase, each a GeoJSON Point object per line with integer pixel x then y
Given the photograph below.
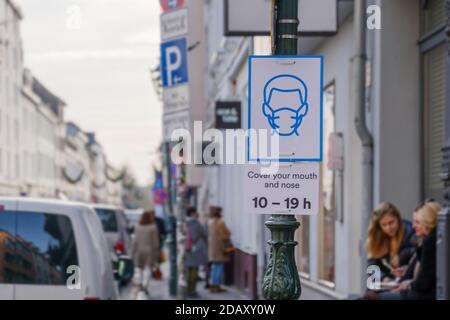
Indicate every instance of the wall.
{"type": "Point", "coordinates": [397, 106]}
{"type": "Point", "coordinates": [337, 51]}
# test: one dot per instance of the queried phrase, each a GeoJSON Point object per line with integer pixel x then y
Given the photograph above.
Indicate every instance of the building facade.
{"type": "Point", "coordinates": [76, 170]}
{"type": "Point", "coordinates": [39, 140]}
{"type": "Point", "coordinates": [11, 61]}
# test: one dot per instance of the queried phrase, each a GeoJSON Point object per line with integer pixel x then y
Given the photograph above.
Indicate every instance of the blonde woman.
{"type": "Point", "coordinates": [391, 241]}
{"type": "Point", "coordinates": [422, 270]}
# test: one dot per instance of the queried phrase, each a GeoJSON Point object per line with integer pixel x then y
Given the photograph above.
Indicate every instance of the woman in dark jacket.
{"type": "Point", "coordinates": [391, 241]}
{"type": "Point", "coordinates": [196, 250]}
{"type": "Point", "coordinates": [420, 276]}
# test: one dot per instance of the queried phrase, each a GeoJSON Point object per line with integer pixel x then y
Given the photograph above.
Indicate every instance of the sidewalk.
{"type": "Point", "coordinates": [159, 290]}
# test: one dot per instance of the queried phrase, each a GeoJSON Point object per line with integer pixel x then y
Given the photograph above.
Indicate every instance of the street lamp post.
{"type": "Point", "coordinates": [281, 280]}
{"type": "Point", "coordinates": [172, 225]}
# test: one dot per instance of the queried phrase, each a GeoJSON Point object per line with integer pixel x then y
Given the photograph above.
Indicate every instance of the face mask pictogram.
{"type": "Point", "coordinates": [285, 104]}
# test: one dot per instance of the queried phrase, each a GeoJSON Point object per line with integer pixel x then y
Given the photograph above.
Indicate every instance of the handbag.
{"type": "Point", "coordinates": [157, 274]}
{"type": "Point", "coordinates": [162, 257]}
{"type": "Point", "coordinates": [228, 246]}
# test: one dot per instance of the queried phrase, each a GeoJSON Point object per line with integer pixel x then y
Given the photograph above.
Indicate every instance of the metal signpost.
{"type": "Point", "coordinates": [285, 97]}
{"type": "Point", "coordinates": [176, 115]}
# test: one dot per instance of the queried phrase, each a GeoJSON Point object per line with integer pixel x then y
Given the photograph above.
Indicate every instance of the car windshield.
{"type": "Point", "coordinates": [133, 217]}
{"type": "Point", "coordinates": [108, 219]}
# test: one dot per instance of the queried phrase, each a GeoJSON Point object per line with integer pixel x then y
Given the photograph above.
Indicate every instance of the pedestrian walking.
{"type": "Point", "coordinates": [196, 250]}
{"type": "Point", "coordinates": [219, 247]}
{"type": "Point", "coordinates": [146, 248]}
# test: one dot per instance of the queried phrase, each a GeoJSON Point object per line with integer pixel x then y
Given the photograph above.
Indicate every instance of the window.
{"type": "Point", "coordinates": [8, 131]}
{"type": "Point", "coordinates": [7, 241]}
{"type": "Point", "coordinates": [434, 114]}
{"type": "Point", "coordinates": [303, 247]}
{"type": "Point", "coordinates": [434, 15]}
{"type": "Point", "coordinates": [15, 58]}
{"type": "Point", "coordinates": [26, 166]}
{"type": "Point", "coordinates": [16, 95]}
{"type": "Point", "coordinates": [434, 64]}
{"type": "Point", "coordinates": [17, 166]}
{"type": "Point", "coordinates": [6, 57]}
{"type": "Point", "coordinates": [25, 120]}
{"type": "Point", "coordinates": [108, 219]}
{"type": "Point", "coordinates": [7, 92]}
{"type": "Point", "coordinates": [34, 166]}
{"type": "Point", "coordinates": [328, 211]}
{"type": "Point", "coordinates": [44, 248]}
{"type": "Point", "coordinates": [8, 164]}
{"type": "Point", "coordinates": [16, 131]}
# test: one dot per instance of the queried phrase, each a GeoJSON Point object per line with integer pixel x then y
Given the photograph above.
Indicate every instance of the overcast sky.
{"type": "Point", "coordinates": [96, 55]}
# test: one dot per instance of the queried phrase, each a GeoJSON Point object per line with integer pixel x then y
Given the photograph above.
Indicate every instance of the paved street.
{"type": "Point", "coordinates": [159, 290]}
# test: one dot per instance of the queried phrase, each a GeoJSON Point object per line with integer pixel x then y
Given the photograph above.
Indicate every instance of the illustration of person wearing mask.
{"type": "Point", "coordinates": [285, 104]}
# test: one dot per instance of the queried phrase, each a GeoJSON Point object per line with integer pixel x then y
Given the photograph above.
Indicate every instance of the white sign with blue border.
{"type": "Point", "coordinates": [285, 99]}
{"type": "Point", "coordinates": [174, 62]}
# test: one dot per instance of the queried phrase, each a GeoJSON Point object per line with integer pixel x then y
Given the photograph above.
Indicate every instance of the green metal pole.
{"type": "Point", "coordinates": [281, 280]}
{"type": "Point", "coordinates": [172, 224]}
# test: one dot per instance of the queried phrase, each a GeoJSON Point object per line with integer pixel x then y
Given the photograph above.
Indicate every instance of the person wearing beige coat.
{"type": "Point", "coordinates": [146, 246]}
{"type": "Point", "coordinates": [218, 239]}
{"type": "Point", "coordinates": [218, 233]}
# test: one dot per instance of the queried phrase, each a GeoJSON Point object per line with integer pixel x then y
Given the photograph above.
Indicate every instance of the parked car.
{"type": "Point", "coordinates": [115, 227]}
{"type": "Point", "coordinates": [51, 249]}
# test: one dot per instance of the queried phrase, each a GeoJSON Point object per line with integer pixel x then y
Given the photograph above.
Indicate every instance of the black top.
{"type": "Point", "coordinates": [405, 252]}
{"type": "Point", "coordinates": [424, 286]}
{"type": "Point", "coordinates": [161, 227]}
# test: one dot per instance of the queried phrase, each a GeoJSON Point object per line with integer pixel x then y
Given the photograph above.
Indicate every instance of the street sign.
{"type": "Point", "coordinates": [173, 121]}
{"type": "Point", "coordinates": [176, 99]}
{"type": "Point", "coordinates": [174, 24]}
{"type": "Point", "coordinates": [174, 62]}
{"type": "Point", "coordinates": [228, 115]}
{"type": "Point", "coordinates": [292, 189]}
{"type": "Point", "coordinates": [317, 17]}
{"type": "Point", "coordinates": [285, 99]}
{"type": "Point", "coordinates": [167, 5]}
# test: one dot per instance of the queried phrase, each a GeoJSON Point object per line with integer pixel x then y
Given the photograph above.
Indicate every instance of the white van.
{"type": "Point", "coordinates": [52, 249]}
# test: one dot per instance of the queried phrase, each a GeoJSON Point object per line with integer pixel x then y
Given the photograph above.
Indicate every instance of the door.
{"type": "Point", "coordinates": [8, 266]}
{"type": "Point", "coordinates": [47, 251]}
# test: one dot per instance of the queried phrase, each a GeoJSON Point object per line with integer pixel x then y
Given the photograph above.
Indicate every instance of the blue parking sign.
{"type": "Point", "coordinates": [174, 63]}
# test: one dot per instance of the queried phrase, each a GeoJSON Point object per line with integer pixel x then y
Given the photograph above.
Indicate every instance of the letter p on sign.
{"type": "Point", "coordinates": [174, 63]}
